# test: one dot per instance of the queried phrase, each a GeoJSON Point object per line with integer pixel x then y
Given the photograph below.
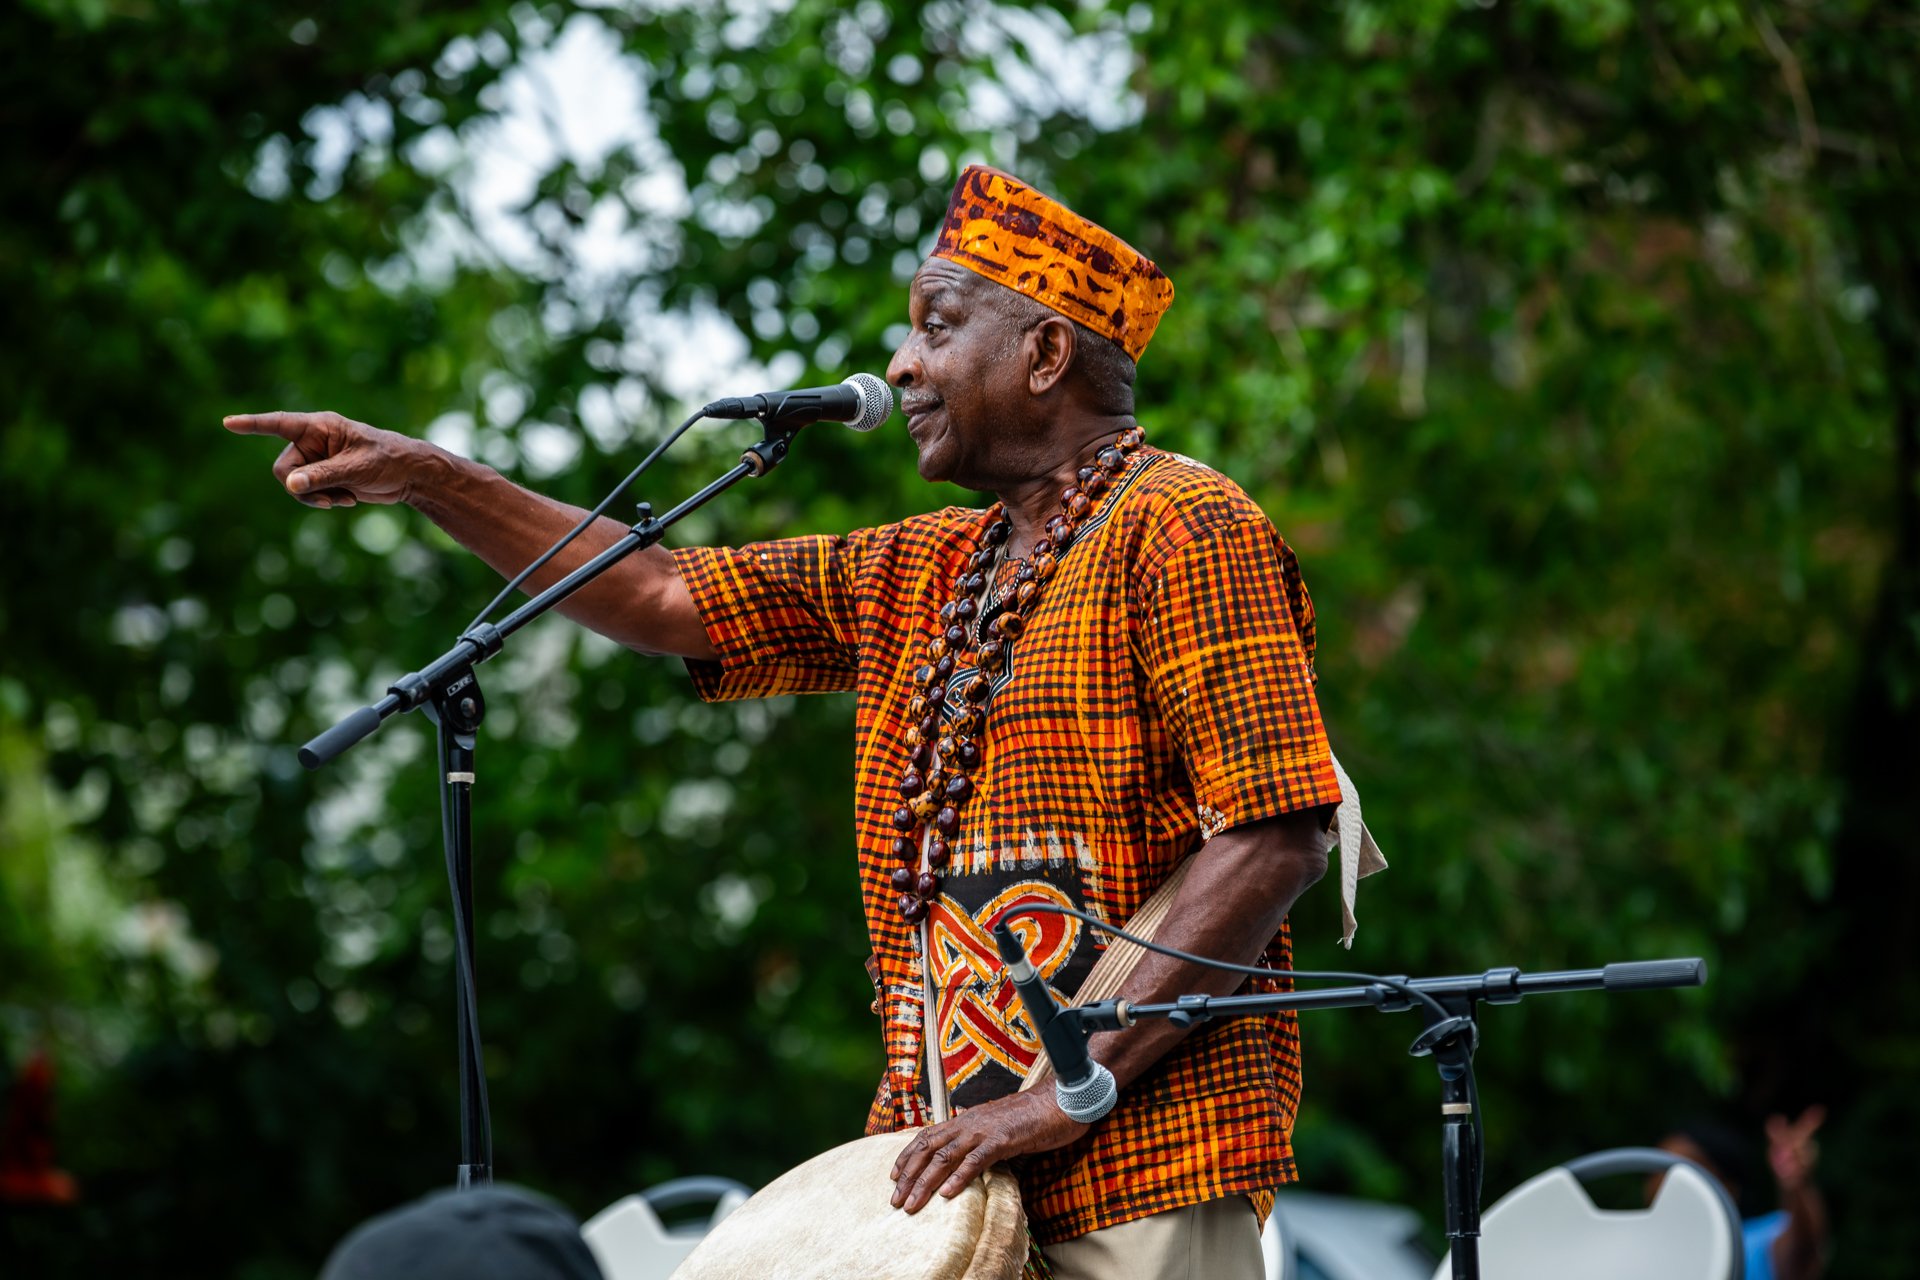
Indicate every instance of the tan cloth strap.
{"type": "Point", "coordinates": [1359, 855]}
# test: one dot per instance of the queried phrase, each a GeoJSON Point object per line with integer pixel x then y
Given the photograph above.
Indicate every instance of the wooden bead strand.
{"type": "Point", "coordinates": [946, 724]}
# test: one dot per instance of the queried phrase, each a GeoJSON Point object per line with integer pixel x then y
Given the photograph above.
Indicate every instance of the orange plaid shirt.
{"type": "Point", "coordinates": [1163, 691]}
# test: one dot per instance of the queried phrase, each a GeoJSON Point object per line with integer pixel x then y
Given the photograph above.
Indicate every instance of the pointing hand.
{"type": "Point", "coordinates": [331, 461]}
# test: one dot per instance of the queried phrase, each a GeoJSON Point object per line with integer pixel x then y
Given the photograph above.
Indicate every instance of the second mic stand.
{"type": "Point", "coordinates": [1450, 1038]}
{"type": "Point", "coordinates": [446, 691]}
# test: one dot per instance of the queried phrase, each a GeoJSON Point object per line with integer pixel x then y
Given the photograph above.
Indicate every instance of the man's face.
{"type": "Point", "coordinates": [962, 375]}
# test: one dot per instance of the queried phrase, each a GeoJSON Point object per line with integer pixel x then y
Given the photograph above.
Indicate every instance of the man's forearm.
{"type": "Point", "coordinates": [1239, 890]}
{"type": "Point", "coordinates": [507, 526]}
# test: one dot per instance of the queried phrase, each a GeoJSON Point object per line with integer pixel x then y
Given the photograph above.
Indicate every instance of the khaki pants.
{"type": "Point", "coordinates": [1218, 1240]}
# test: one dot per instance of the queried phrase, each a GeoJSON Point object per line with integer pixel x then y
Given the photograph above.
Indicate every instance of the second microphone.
{"type": "Point", "coordinates": [1084, 1089]}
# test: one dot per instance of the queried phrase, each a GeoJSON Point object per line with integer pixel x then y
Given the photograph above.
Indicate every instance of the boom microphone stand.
{"type": "Point", "coordinates": [446, 691]}
{"type": "Point", "coordinates": [1450, 1038]}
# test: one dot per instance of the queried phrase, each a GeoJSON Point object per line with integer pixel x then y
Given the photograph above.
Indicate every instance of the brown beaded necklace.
{"type": "Point", "coordinates": [947, 723]}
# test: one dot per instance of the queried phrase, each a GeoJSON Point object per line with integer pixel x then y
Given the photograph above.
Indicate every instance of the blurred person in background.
{"type": "Point", "coordinates": [29, 1172]}
{"type": "Point", "coordinates": [478, 1233]}
{"type": "Point", "coordinates": [1789, 1243]}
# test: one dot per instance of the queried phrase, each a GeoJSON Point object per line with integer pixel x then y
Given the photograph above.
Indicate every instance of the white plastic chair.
{"type": "Point", "coordinates": [1277, 1254]}
{"type": "Point", "coordinates": [1549, 1226]}
{"type": "Point", "coordinates": [630, 1242]}
{"type": "Point", "coordinates": [1340, 1238]}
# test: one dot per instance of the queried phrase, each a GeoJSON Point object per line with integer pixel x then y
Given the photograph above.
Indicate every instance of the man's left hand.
{"type": "Point", "coordinates": [947, 1156]}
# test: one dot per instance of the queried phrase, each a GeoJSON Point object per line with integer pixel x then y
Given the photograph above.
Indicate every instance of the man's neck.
{"type": "Point", "coordinates": [1032, 502]}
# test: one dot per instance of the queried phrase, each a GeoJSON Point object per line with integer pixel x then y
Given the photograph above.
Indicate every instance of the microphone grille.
{"type": "Point", "coordinates": [876, 401]}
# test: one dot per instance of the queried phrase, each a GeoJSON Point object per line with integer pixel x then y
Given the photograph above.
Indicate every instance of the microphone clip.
{"type": "Point", "coordinates": [770, 452]}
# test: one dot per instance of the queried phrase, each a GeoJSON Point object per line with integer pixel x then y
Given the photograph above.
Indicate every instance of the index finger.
{"type": "Point", "coordinates": [287, 426]}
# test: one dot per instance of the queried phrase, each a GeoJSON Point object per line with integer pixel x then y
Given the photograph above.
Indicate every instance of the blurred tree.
{"type": "Point", "coordinates": [1573, 345]}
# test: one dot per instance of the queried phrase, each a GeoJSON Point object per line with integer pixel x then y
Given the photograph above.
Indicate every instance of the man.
{"type": "Point", "coordinates": [1060, 699]}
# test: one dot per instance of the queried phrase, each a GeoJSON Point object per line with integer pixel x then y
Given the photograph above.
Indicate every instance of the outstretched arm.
{"type": "Point", "coordinates": [331, 461]}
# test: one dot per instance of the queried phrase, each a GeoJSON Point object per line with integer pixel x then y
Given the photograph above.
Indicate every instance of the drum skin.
{"type": "Point", "coordinates": [833, 1219]}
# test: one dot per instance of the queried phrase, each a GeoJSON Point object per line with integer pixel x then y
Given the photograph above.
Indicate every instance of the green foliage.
{"type": "Point", "coordinates": [1576, 347]}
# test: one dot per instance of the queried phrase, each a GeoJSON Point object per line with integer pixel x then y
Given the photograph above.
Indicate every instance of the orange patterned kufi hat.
{"type": "Point", "coordinates": [1006, 231]}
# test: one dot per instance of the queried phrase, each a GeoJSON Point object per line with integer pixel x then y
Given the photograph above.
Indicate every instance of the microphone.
{"type": "Point", "coordinates": [1084, 1089]}
{"type": "Point", "coordinates": [863, 402]}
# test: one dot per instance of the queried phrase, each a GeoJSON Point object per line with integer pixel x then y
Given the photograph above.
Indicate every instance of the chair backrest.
{"type": "Point", "coordinates": [631, 1243]}
{"type": "Point", "coordinates": [1279, 1259]}
{"type": "Point", "coordinates": [1549, 1226]}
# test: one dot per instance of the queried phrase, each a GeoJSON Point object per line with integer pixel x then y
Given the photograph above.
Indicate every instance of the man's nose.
{"type": "Point", "coordinates": [904, 367]}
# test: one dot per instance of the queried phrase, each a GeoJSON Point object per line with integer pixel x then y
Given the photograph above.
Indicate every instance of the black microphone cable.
{"type": "Point", "coordinates": [1258, 971]}
{"type": "Point", "coordinates": [1406, 989]}
{"type": "Point", "coordinates": [462, 926]}
{"type": "Point", "coordinates": [585, 520]}
{"type": "Point", "coordinates": [875, 403]}
{"type": "Point", "coordinates": [466, 992]}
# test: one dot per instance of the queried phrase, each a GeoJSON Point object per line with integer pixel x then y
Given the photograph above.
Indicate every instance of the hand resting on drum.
{"type": "Point", "coordinates": [963, 1148]}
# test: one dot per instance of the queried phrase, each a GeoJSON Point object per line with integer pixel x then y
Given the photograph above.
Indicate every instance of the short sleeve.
{"type": "Point", "coordinates": [782, 615]}
{"type": "Point", "coordinates": [1227, 641]}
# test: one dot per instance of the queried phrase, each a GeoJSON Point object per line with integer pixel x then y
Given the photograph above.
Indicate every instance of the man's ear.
{"type": "Point", "coordinates": [1050, 348]}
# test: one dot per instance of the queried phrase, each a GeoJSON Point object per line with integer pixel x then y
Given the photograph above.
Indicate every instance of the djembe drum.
{"type": "Point", "coordinates": [832, 1218]}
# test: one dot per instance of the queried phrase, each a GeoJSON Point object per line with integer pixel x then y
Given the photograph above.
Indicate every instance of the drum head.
{"type": "Point", "coordinates": [832, 1219]}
